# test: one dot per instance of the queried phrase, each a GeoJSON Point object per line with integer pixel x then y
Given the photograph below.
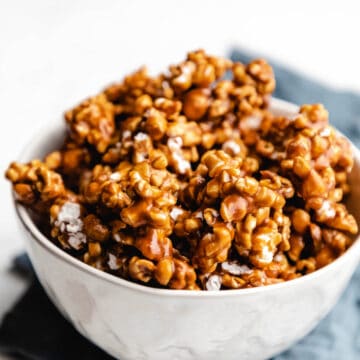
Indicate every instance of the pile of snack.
{"type": "Point", "coordinates": [186, 180]}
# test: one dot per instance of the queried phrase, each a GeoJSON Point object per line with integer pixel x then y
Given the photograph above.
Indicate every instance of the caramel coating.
{"type": "Point", "coordinates": [35, 184]}
{"type": "Point", "coordinates": [186, 180]}
{"type": "Point", "coordinates": [92, 121]}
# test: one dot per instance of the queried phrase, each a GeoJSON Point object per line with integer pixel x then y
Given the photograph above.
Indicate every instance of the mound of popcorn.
{"type": "Point", "coordinates": [186, 180]}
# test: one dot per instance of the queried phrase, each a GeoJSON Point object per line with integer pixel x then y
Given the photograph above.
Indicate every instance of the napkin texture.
{"type": "Point", "coordinates": [34, 329]}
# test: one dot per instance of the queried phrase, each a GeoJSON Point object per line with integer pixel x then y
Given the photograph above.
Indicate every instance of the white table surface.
{"type": "Point", "coordinates": [53, 54]}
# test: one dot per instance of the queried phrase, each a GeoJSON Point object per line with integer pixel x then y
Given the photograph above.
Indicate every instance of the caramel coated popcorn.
{"type": "Point", "coordinates": [187, 181]}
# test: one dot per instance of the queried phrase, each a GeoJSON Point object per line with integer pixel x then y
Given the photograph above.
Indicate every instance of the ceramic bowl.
{"type": "Point", "coordinates": [131, 321]}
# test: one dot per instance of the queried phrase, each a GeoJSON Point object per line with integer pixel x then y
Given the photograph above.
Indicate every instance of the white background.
{"type": "Point", "coordinates": [55, 53]}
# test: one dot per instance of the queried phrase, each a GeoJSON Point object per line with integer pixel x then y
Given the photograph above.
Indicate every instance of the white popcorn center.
{"type": "Point", "coordinates": [326, 132]}
{"type": "Point", "coordinates": [266, 253]}
{"type": "Point", "coordinates": [327, 210]}
{"type": "Point", "coordinates": [115, 176]}
{"type": "Point", "coordinates": [68, 220]}
{"type": "Point", "coordinates": [182, 165]}
{"type": "Point", "coordinates": [235, 268]}
{"type": "Point", "coordinates": [213, 283]}
{"type": "Point", "coordinates": [253, 122]}
{"type": "Point", "coordinates": [175, 212]}
{"type": "Point", "coordinates": [113, 262]}
{"type": "Point", "coordinates": [232, 147]}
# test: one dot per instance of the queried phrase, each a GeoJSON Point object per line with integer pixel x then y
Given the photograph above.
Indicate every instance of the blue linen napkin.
{"type": "Point", "coordinates": [337, 337]}
{"type": "Point", "coordinates": [34, 329]}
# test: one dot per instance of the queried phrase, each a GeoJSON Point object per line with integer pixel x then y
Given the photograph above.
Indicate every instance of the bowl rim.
{"type": "Point", "coordinates": [50, 247]}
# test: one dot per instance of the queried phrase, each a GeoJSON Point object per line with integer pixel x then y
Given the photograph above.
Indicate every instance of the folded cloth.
{"type": "Point", "coordinates": [34, 329]}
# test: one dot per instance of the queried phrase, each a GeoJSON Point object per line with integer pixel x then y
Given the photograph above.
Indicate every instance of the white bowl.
{"type": "Point", "coordinates": [131, 321]}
